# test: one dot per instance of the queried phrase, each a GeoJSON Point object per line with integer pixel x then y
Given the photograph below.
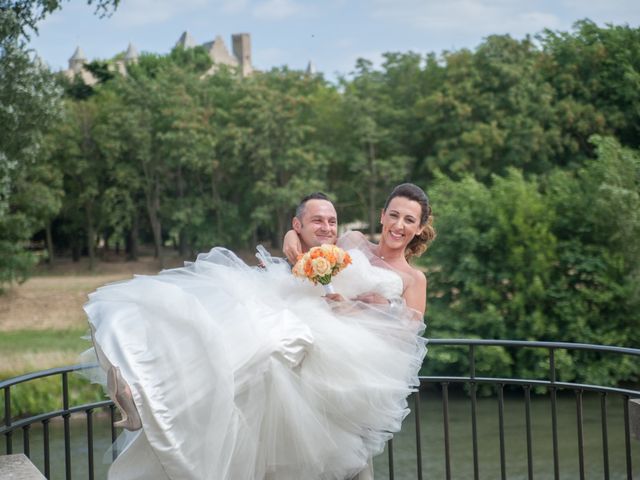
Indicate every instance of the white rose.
{"type": "Point", "coordinates": [321, 266]}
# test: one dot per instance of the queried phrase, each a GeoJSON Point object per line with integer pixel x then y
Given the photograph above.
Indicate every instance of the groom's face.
{"type": "Point", "coordinates": [318, 225]}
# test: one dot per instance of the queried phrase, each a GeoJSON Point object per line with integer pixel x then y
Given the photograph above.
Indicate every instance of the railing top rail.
{"type": "Point", "coordinates": [535, 344]}
{"type": "Point", "coordinates": [42, 374]}
{"type": "Point", "coordinates": [43, 417]}
{"type": "Point", "coordinates": [532, 383]}
{"type": "Point", "coordinates": [432, 341]}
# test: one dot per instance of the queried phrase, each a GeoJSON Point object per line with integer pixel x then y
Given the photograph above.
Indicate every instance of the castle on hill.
{"type": "Point", "coordinates": [239, 58]}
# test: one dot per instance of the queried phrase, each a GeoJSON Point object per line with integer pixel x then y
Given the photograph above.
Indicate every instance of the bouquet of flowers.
{"type": "Point", "coordinates": [320, 264]}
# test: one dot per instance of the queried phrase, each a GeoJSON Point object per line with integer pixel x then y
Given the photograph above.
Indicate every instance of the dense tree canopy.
{"type": "Point", "coordinates": [528, 148]}
{"type": "Point", "coordinates": [29, 190]}
{"type": "Point", "coordinates": [27, 13]}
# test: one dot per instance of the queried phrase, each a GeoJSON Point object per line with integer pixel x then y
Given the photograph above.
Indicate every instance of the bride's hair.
{"type": "Point", "coordinates": [420, 242]}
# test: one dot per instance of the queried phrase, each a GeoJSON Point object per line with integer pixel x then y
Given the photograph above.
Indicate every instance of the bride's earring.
{"type": "Point", "coordinates": [123, 399]}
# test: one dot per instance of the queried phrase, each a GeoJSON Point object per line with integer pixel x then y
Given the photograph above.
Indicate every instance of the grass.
{"type": "Point", "coordinates": [42, 321]}
{"type": "Point", "coordinates": [23, 351]}
{"type": "Point", "coordinates": [43, 341]}
{"type": "Point", "coordinates": [42, 324]}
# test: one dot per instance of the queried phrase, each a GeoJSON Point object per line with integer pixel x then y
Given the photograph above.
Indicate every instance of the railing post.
{"type": "Point", "coordinates": [7, 420]}
{"type": "Point", "coordinates": [445, 422]}
{"type": "Point", "coordinates": [579, 423]}
{"type": "Point", "coordinates": [112, 417]}
{"type": "Point", "coordinates": [634, 417]}
{"type": "Point", "coordinates": [605, 435]}
{"type": "Point", "coordinates": [416, 398]}
{"type": "Point", "coordinates": [46, 447]}
{"type": "Point", "coordinates": [67, 430]}
{"type": "Point", "coordinates": [503, 464]}
{"type": "Point", "coordinates": [554, 413]}
{"type": "Point", "coordinates": [390, 453]}
{"type": "Point", "coordinates": [474, 411]}
{"type": "Point", "coordinates": [89, 415]}
{"type": "Point", "coordinates": [627, 436]}
{"type": "Point", "coordinates": [527, 412]}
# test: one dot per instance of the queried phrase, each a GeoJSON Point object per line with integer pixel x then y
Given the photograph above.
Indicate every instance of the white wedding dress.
{"type": "Point", "coordinates": [245, 373]}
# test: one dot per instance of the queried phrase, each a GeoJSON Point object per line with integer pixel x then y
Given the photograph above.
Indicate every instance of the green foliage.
{"type": "Point", "coordinates": [540, 259]}
{"type": "Point", "coordinates": [29, 190]}
{"type": "Point", "coordinates": [196, 58]}
{"type": "Point", "coordinates": [45, 395]}
{"type": "Point", "coordinates": [494, 266]}
{"type": "Point", "coordinates": [42, 341]}
{"type": "Point", "coordinates": [29, 12]}
{"type": "Point", "coordinates": [537, 225]}
{"type": "Point", "coordinates": [596, 72]}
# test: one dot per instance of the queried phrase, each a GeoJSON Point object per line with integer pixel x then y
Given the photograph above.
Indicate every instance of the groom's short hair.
{"type": "Point", "coordinates": [312, 196]}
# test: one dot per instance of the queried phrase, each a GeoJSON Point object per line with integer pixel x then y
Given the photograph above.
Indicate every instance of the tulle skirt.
{"type": "Point", "coordinates": [246, 373]}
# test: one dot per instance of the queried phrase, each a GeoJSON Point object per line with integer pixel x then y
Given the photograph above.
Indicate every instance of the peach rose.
{"type": "Point", "coordinates": [321, 266]}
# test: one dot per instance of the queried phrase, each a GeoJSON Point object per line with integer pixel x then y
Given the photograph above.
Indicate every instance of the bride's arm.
{"type": "Point", "coordinates": [415, 296]}
{"type": "Point", "coordinates": [291, 246]}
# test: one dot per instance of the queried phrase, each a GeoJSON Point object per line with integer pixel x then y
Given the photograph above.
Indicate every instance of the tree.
{"type": "Point", "coordinates": [375, 157]}
{"type": "Point", "coordinates": [596, 72]}
{"type": "Point", "coordinates": [274, 148]}
{"type": "Point", "coordinates": [594, 291]}
{"type": "Point", "coordinates": [29, 104]}
{"type": "Point", "coordinates": [541, 259]}
{"type": "Point", "coordinates": [28, 13]}
{"type": "Point", "coordinates": [28, 107]}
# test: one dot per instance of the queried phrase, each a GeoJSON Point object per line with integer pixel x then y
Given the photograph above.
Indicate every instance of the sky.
{"type": "Point", "coordinates": [332, 34]}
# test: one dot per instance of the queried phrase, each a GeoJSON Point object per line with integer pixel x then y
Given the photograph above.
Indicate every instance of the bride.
{"type": "Point", "coordinates": [227, 371]}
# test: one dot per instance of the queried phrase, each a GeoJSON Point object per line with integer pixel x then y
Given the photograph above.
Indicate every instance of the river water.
{"type": "Point", "coordinates": [432, 438]}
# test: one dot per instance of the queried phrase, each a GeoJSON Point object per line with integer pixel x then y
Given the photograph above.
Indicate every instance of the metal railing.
{"type": "Point", "coordinates": [470, 382]}
{"type": "Point", "coordinates": [551, 384]}
{"type": "Point", "coordinates": [10, 426]}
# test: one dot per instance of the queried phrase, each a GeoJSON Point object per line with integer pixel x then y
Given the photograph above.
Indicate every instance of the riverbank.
{"type": "Point", "coordinates": [42, 321]}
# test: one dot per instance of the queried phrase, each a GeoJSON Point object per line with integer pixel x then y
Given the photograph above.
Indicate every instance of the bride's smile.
{"type": "Point", "coordinates": [400, 223]}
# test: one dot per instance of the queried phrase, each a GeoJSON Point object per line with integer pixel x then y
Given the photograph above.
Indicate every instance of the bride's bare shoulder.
{"type": "Point", "coordinates": [419, 277]}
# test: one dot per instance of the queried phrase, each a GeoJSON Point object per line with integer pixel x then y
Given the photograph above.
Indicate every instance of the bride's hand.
{"type": "Point", "coordinates": [291, 246]}
{"type": "Point", "coordinates": [334, 297]}
{"type": "Point", "coordinates": [372, 297]}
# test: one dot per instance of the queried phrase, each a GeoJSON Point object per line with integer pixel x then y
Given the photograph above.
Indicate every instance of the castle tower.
{"type": "Point", "coordinates": [77, 61]}
{"type": "Point", "coordinates": [219, 55]}
{"type": "Point", "coordinates": [242, 51]}
{"type": "Point", "coordinates": [311, 69]}
{"type": "Point", "coordinates": [131, 55]}
{"type": "Point", "coordinates": [186, 41]}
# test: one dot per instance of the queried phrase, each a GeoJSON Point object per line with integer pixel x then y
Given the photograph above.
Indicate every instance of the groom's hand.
{"type": "Point", "coordinates": [334, 297]}
{"type": "Point", "coordinates": [372, 297]}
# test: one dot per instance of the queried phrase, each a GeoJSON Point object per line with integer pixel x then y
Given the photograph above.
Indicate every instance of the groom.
{"type": "Point", "coordinates": [315, 223]}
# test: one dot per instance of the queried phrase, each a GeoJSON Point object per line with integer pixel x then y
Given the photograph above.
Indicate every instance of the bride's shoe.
{"type": "Point", "coordinates": [124, 400]}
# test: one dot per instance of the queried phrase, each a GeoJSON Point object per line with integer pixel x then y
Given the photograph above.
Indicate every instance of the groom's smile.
{"type": "Point", "coordinates": [318, 225]}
